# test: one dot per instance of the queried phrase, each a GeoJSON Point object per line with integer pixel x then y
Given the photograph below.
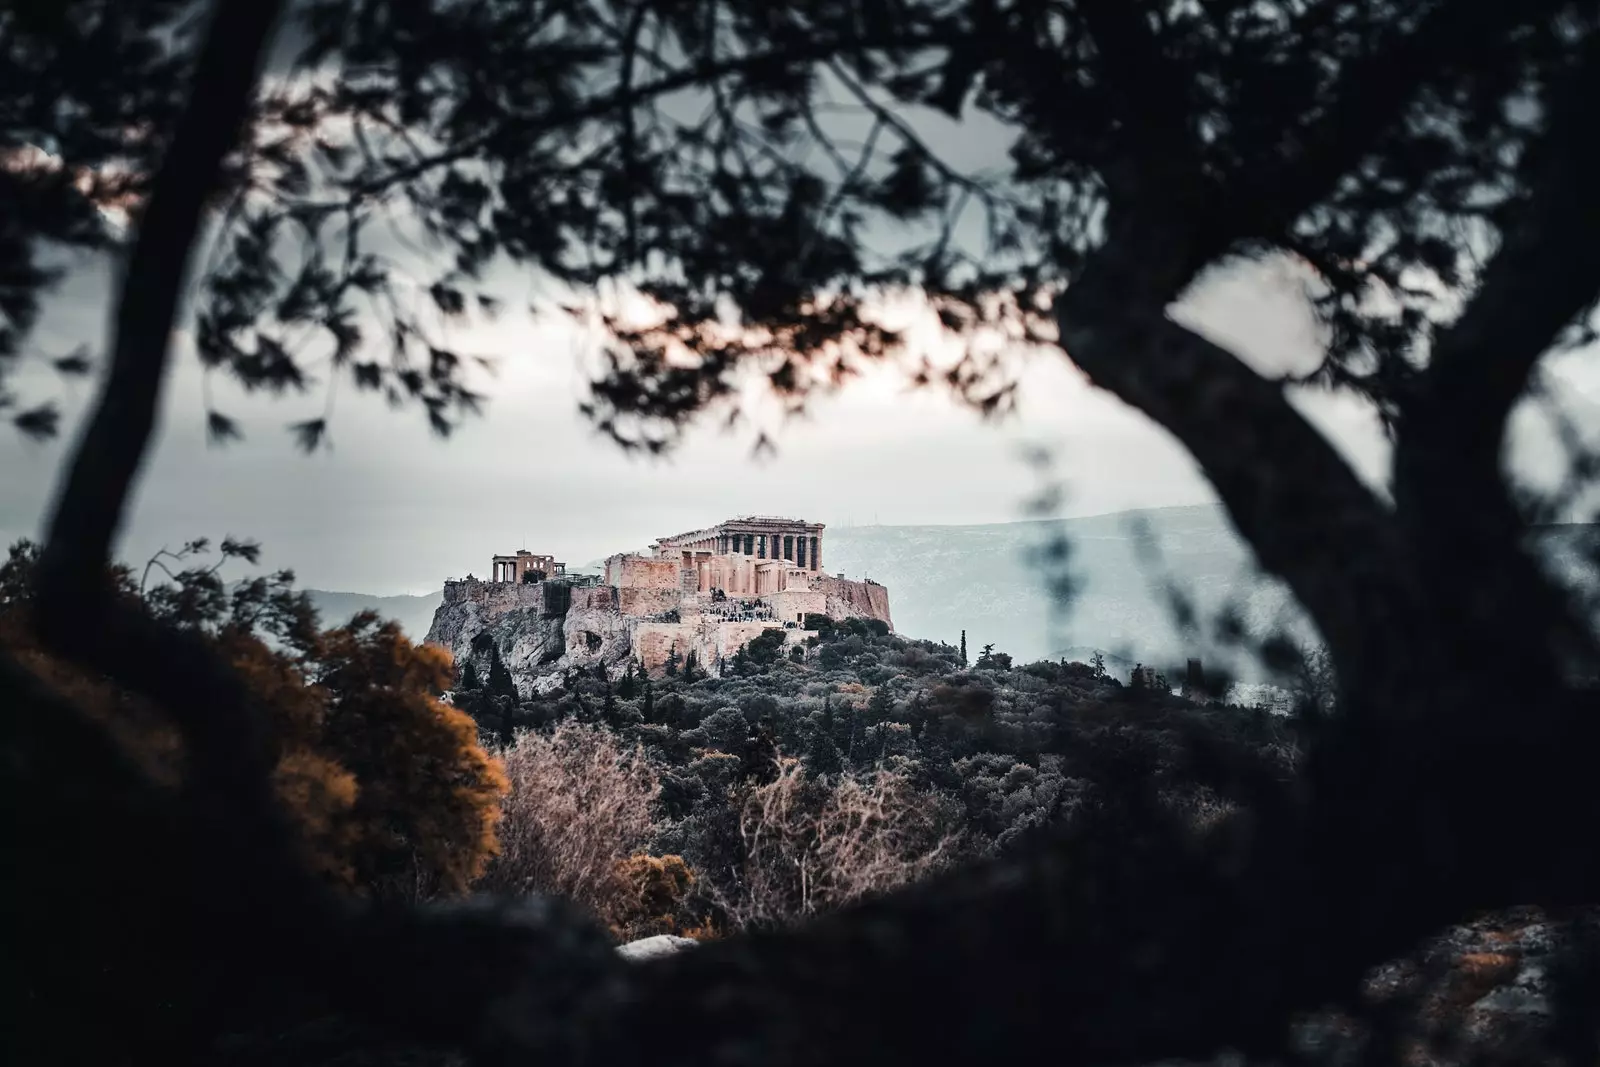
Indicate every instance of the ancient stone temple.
{"type": "Point", "coordinates": [513, 568]}
{"type": "Point", "coordinates": [750, 556]}
{"type": "Point", "coordinates": [707, 592]}
{"type": "Point", "coordinates": [759, 537]}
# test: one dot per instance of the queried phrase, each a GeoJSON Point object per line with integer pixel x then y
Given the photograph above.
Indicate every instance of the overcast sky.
{"type": "Point", "coordinates": [391, 508]}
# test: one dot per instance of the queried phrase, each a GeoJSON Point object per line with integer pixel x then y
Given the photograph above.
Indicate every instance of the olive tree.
{"type": "Point", "coordinates": [1431, 168]}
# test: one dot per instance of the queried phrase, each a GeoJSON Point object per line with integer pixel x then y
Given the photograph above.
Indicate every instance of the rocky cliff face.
{"type": "Point", "coordinates": [541, 630]}
{"type": "Point", "coordinates": [849, 600]}
{"type": "Point", "coordinates": [547, 629]}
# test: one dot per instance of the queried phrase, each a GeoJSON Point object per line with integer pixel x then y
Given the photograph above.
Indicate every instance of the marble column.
{"type": "Point", "coordinates": [816, 553]}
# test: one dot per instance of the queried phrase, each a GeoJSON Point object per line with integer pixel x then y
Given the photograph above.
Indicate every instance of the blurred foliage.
{"type": "Point", "coordinates": [388, 787]}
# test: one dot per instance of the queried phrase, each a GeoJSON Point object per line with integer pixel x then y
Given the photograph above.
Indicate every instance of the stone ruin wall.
{"type": "Point", "coordinates": [652, 642]}
{"type": "Point", "coordinates": [606, 624]}
{"type": "Point", "coordinates": [640, 602]}
{"type": "Point", "coordinates": [793, 605]}
{"type": "Point", "coordinates": [594, 598]}
{"type": "Point", "coordinates": [640, 572]}
{"type": "Point", "coordinates": [732, 636]}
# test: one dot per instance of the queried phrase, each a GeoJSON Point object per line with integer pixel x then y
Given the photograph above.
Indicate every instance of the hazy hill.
{"type": "Point", "coordinates": [413, 613]}
{"type": "Point", "coordinates": [989, 581]}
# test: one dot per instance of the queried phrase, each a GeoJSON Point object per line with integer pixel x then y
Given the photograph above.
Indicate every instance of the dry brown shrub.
{"type": "Point", "coordinates": [813, 846]}
{"type": "Point", "coordinates": [579, 803]}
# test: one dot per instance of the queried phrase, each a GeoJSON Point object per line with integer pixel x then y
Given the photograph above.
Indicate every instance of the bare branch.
{"type": "Point", "coordinates": [1298, 503]}
{"type": "Point", "coordinates": [1369, 98]}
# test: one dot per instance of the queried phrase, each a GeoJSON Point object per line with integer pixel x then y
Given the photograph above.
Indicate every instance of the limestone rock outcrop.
{"type": "Point", "coordinates": [545, 629]}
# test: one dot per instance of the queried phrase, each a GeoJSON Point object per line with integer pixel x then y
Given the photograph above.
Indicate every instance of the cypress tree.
{"type": "Point", "coordinates": [822, 755]}
{"type": "Point", "coordinates": [469, 677]}
{"type": "Point", "coordinates": [672, 661]}
{"type": "Point", "coordinates": [628, 688]}
{"type": "Point", "coordinates": [963, 648]}
{"type": "Point", "coordinates": [881, 706]}
{"type": "Point", "coordinates": [500, 683]}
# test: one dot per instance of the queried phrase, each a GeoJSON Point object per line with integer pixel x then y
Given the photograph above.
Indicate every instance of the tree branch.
{"type": "Point", "coordinates": [628, 94]}
{"type": "Point", "coordinates": [1449, 478]}
{"type": "Point", "coordinates": [1309, 518]}
{"type": "Point", "coordinates": [77, 615]}
{"type": "Point", "coordinates": [1149, 91]}
{"type": "Point", "coordinates": [90, 504]}
{"type": "Point", "coordinates": [1370, 97]}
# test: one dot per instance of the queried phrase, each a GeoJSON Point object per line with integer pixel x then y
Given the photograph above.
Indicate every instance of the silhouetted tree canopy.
{"type": "Point", "coordinates": [1430, 169]}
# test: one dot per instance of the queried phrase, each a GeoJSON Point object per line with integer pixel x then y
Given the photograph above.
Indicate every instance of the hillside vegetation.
{"type": "Point", "coordinates": [799, 782]}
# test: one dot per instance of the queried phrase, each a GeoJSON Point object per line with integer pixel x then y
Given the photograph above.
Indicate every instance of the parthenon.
{"type": "Point", "coordinates": [757, 536]}
{"type": "Point", "coordinates": [750, 556]}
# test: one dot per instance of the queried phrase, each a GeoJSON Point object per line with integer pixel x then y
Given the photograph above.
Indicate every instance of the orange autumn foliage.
{"type": "Point", "coordinates": [141, 729]}
{"type": "Point", "coordinates": [430, 796]}
{"type": "Point", "coordinates": [387, 786]}
{"type": "Point", "coordinates": [651, 896]}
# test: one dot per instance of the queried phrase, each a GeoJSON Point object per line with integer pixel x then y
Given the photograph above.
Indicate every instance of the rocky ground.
{"type": "Point", "coordinates": [1482, 994]}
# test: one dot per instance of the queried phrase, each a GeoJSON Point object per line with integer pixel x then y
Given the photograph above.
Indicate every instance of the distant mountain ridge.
{"type": "Point", "coordinates": [989, 580]}
{"type": "Point", "coordinates": [413, 613]}
{"type": "Point", "coordinates": [995, 582]}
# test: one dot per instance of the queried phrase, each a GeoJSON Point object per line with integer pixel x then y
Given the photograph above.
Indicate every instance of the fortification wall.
{"type": "Point", "coordinates": [709, 640]}
{"type": "Point", "coordinates": [468, 606]}
{"type": "Point", "coordinates": [653, 642]}
{"type": "Point", "coordinates": [648, 601]}
{"type": "Point", "coordinates": [638, 572]}
{"type": "Point", "coordinates": [594, 598]}
{"type": "Point", "coordinates": [732, 636]}
{"type": "Point", "coordinates": [792, 605]}
{"type": "Point", "coordinates": [848, 599]}
{"type": "Point", "coordinates": [540, 634]}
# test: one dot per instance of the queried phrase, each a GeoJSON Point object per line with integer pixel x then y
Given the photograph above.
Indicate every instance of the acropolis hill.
{"type": "Point", "coordinates": [707, 591]}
